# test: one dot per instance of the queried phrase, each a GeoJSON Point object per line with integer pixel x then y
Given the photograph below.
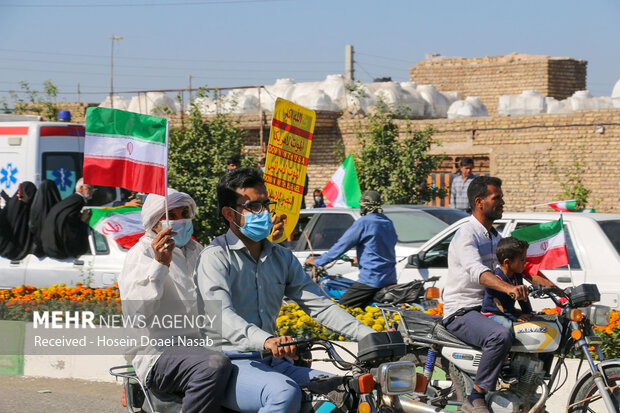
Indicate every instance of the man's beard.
{"type": "Point", "coordinates": [493, 215]}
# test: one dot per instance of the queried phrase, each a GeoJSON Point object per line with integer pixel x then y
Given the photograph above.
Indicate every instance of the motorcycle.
{"type": "Point", "coordinates": [414, 293]}
{"type": "Point", "coordinates": [450, 365]}
{"type": "Point", "coordinates": [375, 382]}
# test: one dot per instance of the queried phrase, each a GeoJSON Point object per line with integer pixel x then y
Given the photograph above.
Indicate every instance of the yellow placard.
{"type": "Point", "coordinates": [290, 139]}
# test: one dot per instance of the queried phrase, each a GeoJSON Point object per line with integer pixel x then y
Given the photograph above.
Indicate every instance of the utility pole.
{"type": "Point", "coordinates": [349, 62]}
{"type": "Point", "coordinates": [190, 88]}
{"type": "Point", "coordinates": [112, 69]}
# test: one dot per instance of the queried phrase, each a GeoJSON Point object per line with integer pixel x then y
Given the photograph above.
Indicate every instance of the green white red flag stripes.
{"type": "Point", "coordinates": [547, 246]}
{"type": "Point", "coordinates": [343, 189]}
{"type": "Point", "coordinates": [126, 149]}
{"type": "Point", "coordinates": [569, 206]}
{"type": "Point", "coordinates": [123, 224]}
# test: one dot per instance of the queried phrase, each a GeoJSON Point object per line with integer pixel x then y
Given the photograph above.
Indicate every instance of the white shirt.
{"type": "Point", "coordinates": [144, 280]}
{"type": "Point", "coordinates": [472, 251]}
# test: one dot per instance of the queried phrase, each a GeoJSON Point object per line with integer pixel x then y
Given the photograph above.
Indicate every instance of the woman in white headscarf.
{"type": "Point", "coordinates": [158, 271]}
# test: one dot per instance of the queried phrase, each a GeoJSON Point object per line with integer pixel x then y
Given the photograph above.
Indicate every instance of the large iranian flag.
{"type": "Point", "coordinates": [126, 149]}
{"type": "Point", "coordinates": [343, 189]}
{"type": "Point", "coordinates": [547, 246]}
{"type": "Point", "coordinates": [569, 206]}
{"type": "Point", "coordinates": [123, 224]}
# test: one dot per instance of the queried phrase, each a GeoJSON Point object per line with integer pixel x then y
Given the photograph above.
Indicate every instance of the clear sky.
{"type": "Point", "coordinates": [223, 43]}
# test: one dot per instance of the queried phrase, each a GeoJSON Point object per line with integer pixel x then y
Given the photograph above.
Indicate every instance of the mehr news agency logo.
{"type": "Point", "coordinates": [144, 330]}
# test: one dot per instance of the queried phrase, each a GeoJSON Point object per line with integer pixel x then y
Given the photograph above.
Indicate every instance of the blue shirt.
{"type": "Point", "coordinates": [251, 292]}
{"type": "Point", "coordinates": [375, 238]}
{"type": "Point", "coordinates": [497, 302]}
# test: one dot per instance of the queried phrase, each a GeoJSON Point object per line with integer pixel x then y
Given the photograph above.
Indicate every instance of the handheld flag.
{"type": "Point", "coordinates": [126, 150]}
{"type": "Point", "coordinates": [547, 248]}
{"type": "Point", "coordinates": [343, 189]}
{"type": "Point", "coordinates": [290, 140]}
{"type": "Point", "coordinates": [123, 224]}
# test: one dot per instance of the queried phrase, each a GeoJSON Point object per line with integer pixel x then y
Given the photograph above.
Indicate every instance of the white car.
{"type": "Point", "coordinates": [99, 268]}
{"type": "Point", "coordinates": [324, 226]}
{"type": "Point", "coordinates": [592, 242]}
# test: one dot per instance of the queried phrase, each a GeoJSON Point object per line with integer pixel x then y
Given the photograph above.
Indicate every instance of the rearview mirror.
{"type": "Point", "coordinates": [416, 260]}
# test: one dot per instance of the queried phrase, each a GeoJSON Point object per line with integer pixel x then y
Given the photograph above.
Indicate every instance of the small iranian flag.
{"type": "Point", "coordinates": [343, 189]}
{"type": "Point", "coordinates": [547, 246]}
{"type": "Point", "coordinates": [123, 224]}
{"type": "Point", "coordinates": [568, 206]}
{"type": "Point", "coordinates": [126, 150]}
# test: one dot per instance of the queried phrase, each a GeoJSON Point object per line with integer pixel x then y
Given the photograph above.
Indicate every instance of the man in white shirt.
{"type": "Point", "coordinates": [471, 261]}
{"type": "Point", "coordinates": [157, 273]}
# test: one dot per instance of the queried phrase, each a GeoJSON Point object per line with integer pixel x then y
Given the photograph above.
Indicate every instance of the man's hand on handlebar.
{"type": "Point", "coordinates": [309, 261]}
{"type": "Point", "coordinates": [518, 292]}
{"type": "Point", "coordinates": [285, 351]}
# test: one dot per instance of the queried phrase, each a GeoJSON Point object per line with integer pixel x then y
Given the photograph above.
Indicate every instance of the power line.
{"type": "Point", "coordinates": [279, 62]}
{"type": "Point", "coordinates": [189, 3]}
{"type": "Point", "coordinates": [184, 69]}
{"type": "Point", "coordinates": [383, 57]}
{"type": "Point", "coordinates": [365, 71]}
{"type": "Point", "coordinates": [383, 66]}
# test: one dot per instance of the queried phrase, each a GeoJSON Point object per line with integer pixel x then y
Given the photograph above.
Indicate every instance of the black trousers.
{"type": "Point", "coordinates": [358, 295]}
{"type": "Point", "coordinates": [195, 374]}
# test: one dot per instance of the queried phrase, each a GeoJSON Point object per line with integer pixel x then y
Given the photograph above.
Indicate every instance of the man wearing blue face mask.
{"type": "Point", "coordinates": [250, 276]}
{"type": "Point", "coordinates": [158, 271]}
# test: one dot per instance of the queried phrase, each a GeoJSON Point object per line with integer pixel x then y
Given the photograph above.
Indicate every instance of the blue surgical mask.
{"type": "Point", "coordinates": [257, 227]}
{"type": "Point", "coordinates": [184, 230]}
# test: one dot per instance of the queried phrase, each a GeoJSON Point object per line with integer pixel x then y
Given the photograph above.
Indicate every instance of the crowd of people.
{"type": "Point", "coordinates": [37, 221]}
{"type": "Point", "coordinates": [250, 276]}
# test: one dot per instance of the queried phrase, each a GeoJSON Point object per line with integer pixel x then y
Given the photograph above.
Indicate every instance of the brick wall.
{"type": "Point", "coordinates": [490, 77]}
{"type": "Point", "coordinates": [531, 153]}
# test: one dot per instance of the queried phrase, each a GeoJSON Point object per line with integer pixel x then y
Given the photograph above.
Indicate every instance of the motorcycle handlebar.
{"type": "Point", "coordinates": [303, 344]}
{"type": "Point", "coordinates": [537, 290]}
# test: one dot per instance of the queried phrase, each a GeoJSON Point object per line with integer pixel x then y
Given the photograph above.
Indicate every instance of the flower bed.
{"type": "Point", "coordinates": [293, 321]}
{"type": "Point", "coordinates": [19, 302]}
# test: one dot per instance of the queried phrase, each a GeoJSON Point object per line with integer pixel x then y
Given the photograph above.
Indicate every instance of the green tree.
{"type": "Point", "coordinates": [43, 105]}
{"type": "Point", "coordinates": [573, 186]}
{"type": "Point", "coordinates": [396, 168]}
{"type": "Point", "coordinates": [197, 160]}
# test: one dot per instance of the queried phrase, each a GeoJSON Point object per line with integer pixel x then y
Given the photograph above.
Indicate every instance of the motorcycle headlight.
{"type": "Point", "coordinates": [599, 315]}
{"type": "Point", "coordinates": [397, 377]}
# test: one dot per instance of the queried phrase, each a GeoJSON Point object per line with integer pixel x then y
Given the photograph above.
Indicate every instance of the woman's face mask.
{"type": "Point", "coordinates": [184, 230]}
{"type": "Point", "coordinates": [257, 227]}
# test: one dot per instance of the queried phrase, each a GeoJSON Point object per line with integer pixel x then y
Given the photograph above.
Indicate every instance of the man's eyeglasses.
{"type": "Point", "coordinates": [256, 207]}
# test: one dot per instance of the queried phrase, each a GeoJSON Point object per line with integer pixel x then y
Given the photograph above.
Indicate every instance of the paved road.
{"type": "Point", "coordinates": [21, 395]}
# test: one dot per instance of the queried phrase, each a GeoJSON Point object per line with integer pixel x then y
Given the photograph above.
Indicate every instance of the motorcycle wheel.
{"type": "Point", "coordinates": [588, 389]}
{"type": "Point", "coordinates": [440, 372]}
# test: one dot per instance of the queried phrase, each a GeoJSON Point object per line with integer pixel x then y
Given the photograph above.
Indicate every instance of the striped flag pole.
{"type": "Point", "coordinates": [166, 169]}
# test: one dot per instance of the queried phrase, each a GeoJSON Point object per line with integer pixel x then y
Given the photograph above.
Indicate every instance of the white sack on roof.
{"type": "Point", "coordinates": [470, 107]}
{"type": "Point", "coordinates": [119, 103]}
{"type": "Point", "coordinates": [530, 102]}
{"type": "Point", "coordinates": [152, 103]}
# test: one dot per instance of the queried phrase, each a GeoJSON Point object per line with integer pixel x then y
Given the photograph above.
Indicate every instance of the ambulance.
{"type": "Point", "coordinates": [33, 150]}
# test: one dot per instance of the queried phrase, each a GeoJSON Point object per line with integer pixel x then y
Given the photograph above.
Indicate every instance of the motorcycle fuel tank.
{"type": "Point", "coordinates": [540, 334]}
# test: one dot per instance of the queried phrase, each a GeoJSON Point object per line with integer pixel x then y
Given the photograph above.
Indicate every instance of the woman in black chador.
{"type": "Point", "coordinates": [15, 236]}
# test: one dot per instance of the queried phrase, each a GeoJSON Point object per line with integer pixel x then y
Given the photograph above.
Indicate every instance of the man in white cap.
{"type": "Point", "coordinates": [157, 275]}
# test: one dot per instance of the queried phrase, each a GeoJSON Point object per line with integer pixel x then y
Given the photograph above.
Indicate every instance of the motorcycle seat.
{"type": "Point", "coordinates": [428, 327]}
